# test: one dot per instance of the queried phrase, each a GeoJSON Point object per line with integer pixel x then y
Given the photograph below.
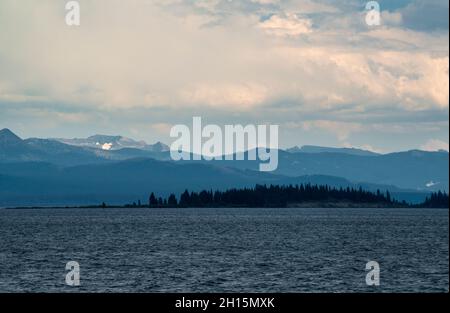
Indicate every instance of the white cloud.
{"type": "Point", "coordinates": [289, 25]}
{"type": "Point", "coordinates": [238, 96]}
{"type": "Point", "coordinates": [265, 1]}
{"type": "Point", "coordinates": [341, 130]}
{"type": "Point", "coordinates": [161, 128]}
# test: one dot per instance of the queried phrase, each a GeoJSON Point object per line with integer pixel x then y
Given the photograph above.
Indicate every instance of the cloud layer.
{"type": "Point", "coordinates": [310, 62]}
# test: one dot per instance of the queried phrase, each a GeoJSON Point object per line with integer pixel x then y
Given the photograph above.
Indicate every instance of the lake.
{"type": "Point", "coordinates": [224, 250]}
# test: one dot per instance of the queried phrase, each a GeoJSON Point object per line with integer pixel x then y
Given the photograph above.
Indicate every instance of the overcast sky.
{"type": "Point", "coordinates": [315, 68]}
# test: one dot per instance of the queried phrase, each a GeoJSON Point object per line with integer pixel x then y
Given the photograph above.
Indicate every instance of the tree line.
{"type": "Point", "coordinates": [436, 200]}
{"type": "Point", "coordinates": [274, 196]}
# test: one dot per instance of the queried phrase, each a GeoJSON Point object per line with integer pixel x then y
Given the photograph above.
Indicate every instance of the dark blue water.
{"type": "Point", "coordinates": [224, 250]}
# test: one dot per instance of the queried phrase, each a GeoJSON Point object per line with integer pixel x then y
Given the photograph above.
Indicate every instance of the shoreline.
{"type": "Point", "coordinates": [212, 207]}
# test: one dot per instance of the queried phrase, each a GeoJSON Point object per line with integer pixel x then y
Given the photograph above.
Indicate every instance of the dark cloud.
{"type": "Point", "coordinates": [426, 15]}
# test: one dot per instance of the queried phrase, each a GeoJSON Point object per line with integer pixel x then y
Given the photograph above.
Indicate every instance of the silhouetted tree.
{"type": "Point", "coordinates": [185, 199]}
{"type": "Point", "coordinates": [152, 202]}
{"type": "Point", "coordinates": [436, 200]}
{"type": "Point", "coordinates": [172, 201]}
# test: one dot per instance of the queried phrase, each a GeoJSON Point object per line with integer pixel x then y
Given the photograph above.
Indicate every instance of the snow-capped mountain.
{"type": "Point", "coordinates": [106, 142]}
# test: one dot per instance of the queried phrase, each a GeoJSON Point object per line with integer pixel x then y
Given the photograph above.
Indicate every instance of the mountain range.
{"type": "Point", "coordinates": [105, 142]}
{"type": "Point", "coordinates": [117, 169]}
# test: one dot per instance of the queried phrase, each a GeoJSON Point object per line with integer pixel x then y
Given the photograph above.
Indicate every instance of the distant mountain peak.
{"type": "Point", "coordinates": [100, 137]}
{"type": "Point", "coordinates": [7, 136]}
{"type": "Point", "coordinates": [159, 147]}
{"type": "Point", "coordinates": [318, 149]}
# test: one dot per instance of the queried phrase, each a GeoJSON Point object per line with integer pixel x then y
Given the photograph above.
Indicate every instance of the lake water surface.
{"type": "Point", "coordinates": [224, 250]}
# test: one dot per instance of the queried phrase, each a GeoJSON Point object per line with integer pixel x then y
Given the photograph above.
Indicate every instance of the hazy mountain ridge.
{"type": "Point", "coordinates": [40, 169]}
{"type": "Point", "coordinates": [318, 149]}
{"type": "Point", "coordinates": [34, 183]}
{"type": "Point", "coordinates": [411, 169]}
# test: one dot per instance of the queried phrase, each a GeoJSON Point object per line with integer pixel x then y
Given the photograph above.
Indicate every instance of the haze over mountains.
{"type": "Point", "coordinates": [116, 169]}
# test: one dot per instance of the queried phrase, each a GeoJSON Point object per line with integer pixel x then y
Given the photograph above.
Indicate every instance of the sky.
{"type": "Point", "coordinates": [315, 68]}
